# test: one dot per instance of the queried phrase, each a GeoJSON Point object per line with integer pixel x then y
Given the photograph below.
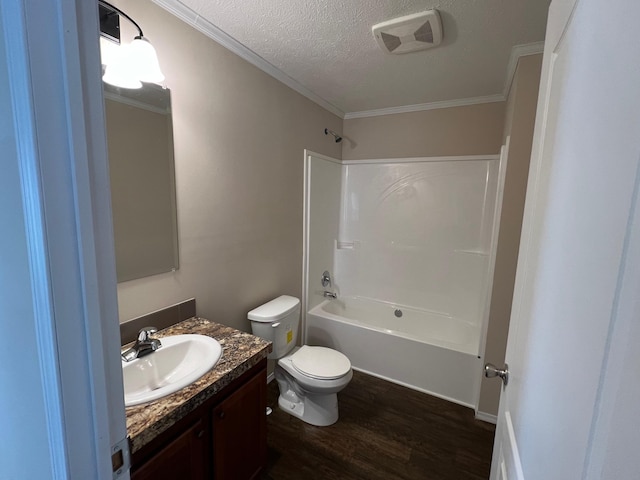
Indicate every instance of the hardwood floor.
{"type": "Point", "coordinates": [385, 432]}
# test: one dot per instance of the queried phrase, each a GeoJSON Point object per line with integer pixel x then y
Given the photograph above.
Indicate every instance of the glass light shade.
{"type": "Point", "coordinates": [145, 61]}
{"type": "Point", "coordinates": [121, 71]}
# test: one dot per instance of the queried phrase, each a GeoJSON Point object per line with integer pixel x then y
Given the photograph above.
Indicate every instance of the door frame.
{"type": "Point", "coordinates": [53, 64]}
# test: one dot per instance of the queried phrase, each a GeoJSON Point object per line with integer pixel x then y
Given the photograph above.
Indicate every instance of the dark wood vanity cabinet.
{"type": "Point", "coordinates": [239, 428]}
{"type": "Point", "coordinates": [183, 457]}
{"type": "Point", "coordinates": [223, 439]}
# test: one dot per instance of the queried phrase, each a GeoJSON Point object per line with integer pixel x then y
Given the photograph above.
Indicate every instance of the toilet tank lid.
{"type": "Point", "coordinates": [274, 310]}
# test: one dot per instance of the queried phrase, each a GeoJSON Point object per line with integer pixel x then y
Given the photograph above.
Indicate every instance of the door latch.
{"type": "Point", "coordinates": [120, 458]}
{"type": "Point", "coordinates": [490, 371]}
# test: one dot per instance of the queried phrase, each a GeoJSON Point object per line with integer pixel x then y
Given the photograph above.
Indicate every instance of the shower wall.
{"type": "Point", "coordinates": [414, 233]}
{"type": "Point", "coordinates": [323, 178]}
{"type": "Point", "coordinates": [418, 233]}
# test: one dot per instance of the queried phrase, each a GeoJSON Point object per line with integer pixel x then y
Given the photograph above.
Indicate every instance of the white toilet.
{"type": "Point", "coordinates": [308, 377]}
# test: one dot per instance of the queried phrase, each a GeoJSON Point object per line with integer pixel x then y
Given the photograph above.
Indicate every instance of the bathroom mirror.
{"type": "Point", "coordinates": [143, 192]}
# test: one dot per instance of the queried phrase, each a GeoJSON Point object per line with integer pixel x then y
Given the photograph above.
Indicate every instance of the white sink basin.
{"type": "Point", "coordinates": [180, 361]}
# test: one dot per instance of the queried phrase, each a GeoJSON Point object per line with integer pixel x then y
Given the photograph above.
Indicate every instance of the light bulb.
{"type": "Point", "coordinates": [121, 71]}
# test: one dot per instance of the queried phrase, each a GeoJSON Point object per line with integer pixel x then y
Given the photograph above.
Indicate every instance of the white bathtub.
{"type": "Point", "coordinates": [427, 351]}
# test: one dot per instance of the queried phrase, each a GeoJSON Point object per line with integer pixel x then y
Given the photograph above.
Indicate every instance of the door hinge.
{"type": "Point", "coordinates": [120, 458]}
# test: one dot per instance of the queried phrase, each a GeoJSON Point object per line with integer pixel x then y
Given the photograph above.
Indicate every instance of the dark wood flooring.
{"type": "Point", "coordinates": [385, 432]}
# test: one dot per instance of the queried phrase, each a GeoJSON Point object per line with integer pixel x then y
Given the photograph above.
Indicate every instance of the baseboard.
{"type": "Point", "coordinates": [487, 417]}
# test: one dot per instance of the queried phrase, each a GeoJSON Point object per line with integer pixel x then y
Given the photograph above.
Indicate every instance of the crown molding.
{"type": "Point", "coordinates": [178, 9]}
{"type": "Point", "coordinates": [516, 52]}
{"type": "Point", "coordinates": [210, 30]}
{"type": "Point", "coordinates": [461, 102]}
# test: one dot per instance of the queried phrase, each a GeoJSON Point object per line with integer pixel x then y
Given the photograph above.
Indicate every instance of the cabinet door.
{"type": "Point", "coordinates": [184, 458]}
{"type": "Point", "coordinates": [240, 432]}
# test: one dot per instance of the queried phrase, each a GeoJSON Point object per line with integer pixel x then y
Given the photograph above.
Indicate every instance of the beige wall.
{"type": "Point", "coordinates": [520, 119]}
{"type": "Point", "coordinates": [239, 137]}
{"type": "Point", "coordinates": [468, 130]}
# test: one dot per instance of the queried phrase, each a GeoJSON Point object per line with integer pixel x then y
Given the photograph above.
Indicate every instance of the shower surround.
{"type": "Point", "coordinates": [410, 244]}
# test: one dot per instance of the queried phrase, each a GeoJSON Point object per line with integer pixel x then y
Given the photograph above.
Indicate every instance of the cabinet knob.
{"type": "Point", "coordinates": [221, 415]}
{"type": "Point", "coordinates": [200, 433]}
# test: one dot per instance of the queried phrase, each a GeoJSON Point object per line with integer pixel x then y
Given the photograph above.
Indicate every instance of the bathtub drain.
{"type": "Point", "coordinates": [398, 313]}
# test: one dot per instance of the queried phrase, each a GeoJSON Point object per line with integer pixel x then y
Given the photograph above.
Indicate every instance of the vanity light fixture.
{"type": "Point", "coordinates": [134, 63]}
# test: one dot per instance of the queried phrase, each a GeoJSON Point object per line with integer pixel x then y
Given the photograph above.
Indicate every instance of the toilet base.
{"type": "Point", "coordinates": [311, 400]}
{"type": "Point", "coordinates": [318, 410]}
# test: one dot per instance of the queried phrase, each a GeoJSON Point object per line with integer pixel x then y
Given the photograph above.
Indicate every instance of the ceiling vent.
{"type": "Point", "coordinates": [410, 33]}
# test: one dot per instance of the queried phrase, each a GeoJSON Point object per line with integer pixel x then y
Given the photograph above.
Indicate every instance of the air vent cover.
{"type": "Point", "coordinates": [410, 33]}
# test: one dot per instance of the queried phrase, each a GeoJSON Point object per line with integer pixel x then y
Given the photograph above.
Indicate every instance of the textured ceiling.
{"type": "Point", "coordinates": [327, 46]}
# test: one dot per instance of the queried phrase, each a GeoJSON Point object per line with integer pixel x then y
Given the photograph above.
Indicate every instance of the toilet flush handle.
{"type": "Point", "coordinates": [275, 325]}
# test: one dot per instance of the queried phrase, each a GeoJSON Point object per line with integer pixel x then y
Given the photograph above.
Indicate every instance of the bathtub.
{"type": "Point", "coordinates": [427, 351]}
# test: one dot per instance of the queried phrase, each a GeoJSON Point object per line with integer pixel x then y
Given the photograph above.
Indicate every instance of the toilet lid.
{"type": "Point", "coordinates": [320, 362]}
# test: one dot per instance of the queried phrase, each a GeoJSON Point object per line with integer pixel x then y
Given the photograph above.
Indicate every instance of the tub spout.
{"type": "Point", "coordinates": [331, 295]}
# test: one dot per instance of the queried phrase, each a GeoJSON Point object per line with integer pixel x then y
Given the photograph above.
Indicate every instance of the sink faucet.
{"type": "Point", "coordinates": [144, 345]}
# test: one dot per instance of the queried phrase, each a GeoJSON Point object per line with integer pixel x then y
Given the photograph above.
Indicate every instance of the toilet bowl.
{"type": "Point", "coordinates": [309, 377]}
{"type": "Point", "coordinates": [308, 388]}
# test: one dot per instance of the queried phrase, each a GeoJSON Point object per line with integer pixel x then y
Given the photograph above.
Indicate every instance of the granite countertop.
{"type": "Point", "coordinates": [240, 352]}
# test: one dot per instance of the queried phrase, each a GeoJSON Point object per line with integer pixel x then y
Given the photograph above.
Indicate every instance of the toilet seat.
{"type": "Point", "coordinates": [320, 362]}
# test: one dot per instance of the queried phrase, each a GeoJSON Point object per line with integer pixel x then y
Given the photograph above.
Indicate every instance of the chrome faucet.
{"type": "Point", "coordinates": [144, 345]}
{"type": "Point", "coordinates": [326, 282]}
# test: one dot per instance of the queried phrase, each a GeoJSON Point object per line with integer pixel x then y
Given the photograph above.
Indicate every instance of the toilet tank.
{"type": "Point", "coordinates": [277, 321]}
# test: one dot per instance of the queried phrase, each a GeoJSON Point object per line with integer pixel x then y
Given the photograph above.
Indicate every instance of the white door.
{"type": "Point", "coordinates": [570, 408]}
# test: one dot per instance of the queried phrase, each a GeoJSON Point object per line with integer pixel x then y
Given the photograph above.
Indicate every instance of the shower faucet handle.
{"type": "Point", "coordinates": [326, 279]}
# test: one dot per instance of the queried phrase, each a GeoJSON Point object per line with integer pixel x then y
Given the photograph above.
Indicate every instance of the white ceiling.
{"type": "Point", "coordinates": [327, 46]}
